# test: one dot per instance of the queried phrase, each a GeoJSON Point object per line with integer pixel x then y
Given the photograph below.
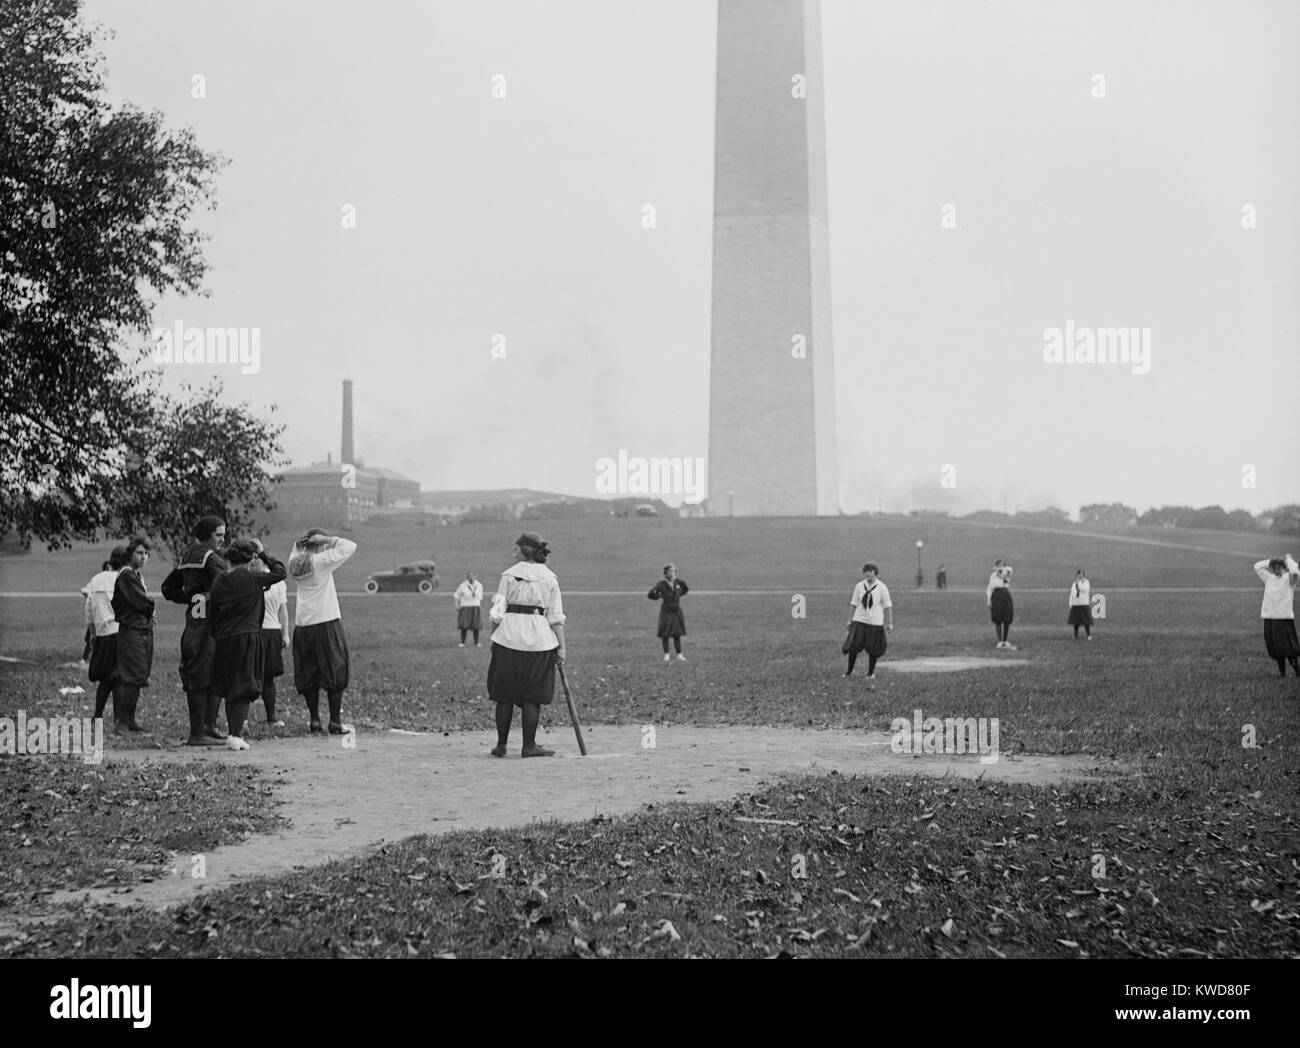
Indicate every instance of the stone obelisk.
{"type": "Point", "coordinates": [771, 398]}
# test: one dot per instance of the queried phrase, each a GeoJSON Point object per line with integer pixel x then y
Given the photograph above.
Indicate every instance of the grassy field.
{"type": "Point", "coordinates": [1202, 839]}
{"type": "Point", "coordinates": [1164, 866]}
{"type": "Point", "coordinates": [72, 825]}
{"type": "Point", "coordinates": [795, 554]}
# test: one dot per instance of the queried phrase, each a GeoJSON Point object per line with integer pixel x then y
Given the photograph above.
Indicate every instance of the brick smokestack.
{"type": "Point", "coordinates": [347, 421]}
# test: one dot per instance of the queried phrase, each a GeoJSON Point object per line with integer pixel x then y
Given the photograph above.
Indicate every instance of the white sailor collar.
{"type": "Point", "coordinates": [531, 571]}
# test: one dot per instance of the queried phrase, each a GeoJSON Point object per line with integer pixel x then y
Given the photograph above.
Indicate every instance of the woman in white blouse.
{"type": "Point", "coordinates": [528, 643]}
{"type": "Point", "coordinates": [1280, 575]}
{"type": "Point", "coordinates": [1001, 609]}
{"type": "Point", "coordinates": [1081, 604]}
{"type": "Point", "coordinates": [469, 601]}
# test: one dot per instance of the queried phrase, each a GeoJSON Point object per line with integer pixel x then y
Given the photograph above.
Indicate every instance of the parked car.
{"type": "Point", "coordinates": [420, 576]}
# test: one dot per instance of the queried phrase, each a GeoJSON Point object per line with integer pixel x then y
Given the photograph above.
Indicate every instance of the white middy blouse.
{"type": "Point", "coordinates": [469, 594]}
{"type": "Point", "coordinates": [1278, 589]}
{"type": "Point", "coordinates": [1000, 579]}
{"type": "Point", "coordinates": [318, 601]}
{"type": "Point", "coordinates": [534, 584]}
{"type": "Point", "coordinates": [874, 615]}
{"type": "Point", "coordinates": [272, 601]}
{"type": "Point", "coordinates": [99, 603]}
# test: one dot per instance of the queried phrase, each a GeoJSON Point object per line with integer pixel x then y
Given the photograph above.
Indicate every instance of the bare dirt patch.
{"type": "Point", "coordinates": [397, 784]}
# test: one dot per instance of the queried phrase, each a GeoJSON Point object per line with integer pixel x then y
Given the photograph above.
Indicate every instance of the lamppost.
{"type": "Point", "coordinates": [920, 578]}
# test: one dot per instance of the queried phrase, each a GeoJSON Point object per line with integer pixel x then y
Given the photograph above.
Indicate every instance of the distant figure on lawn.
{"type": "Point", "coordinates": [188, 583]}
{"type": "Point", "coordinates": [133, 609]}
{"type": "Point", "coordinates": [941, 578]}
{"type": "Point", "coordinates": [1001, 609]}
{"type": "Point", "coordinates": [1081, 604]}
{"type": "Point", "coordinates": [672, 624]}
{"type": "Point", "coordinates": [275, 639]}
{"type": "Point", "coordinates": [236, 610]}
{"type": "Point", "coordinates": [469, 608]}
{"type": "Point", "coordinates": [103, 624]}
{"type": "Point", "coordinates": [320, 651]}
{"type": "Point", "coordinates": [1280, 575]}
{"type": "Point", "coordinates": [527, 644]}
{"type": "Point", "coordinates": [873, 614]}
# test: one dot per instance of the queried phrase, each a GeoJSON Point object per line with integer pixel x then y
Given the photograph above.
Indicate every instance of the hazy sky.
{"type": "Point", "coordinates": [521, 216]}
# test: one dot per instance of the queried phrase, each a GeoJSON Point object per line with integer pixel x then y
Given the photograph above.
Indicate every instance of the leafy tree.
{"type": "Point", "coordinates": [1108, 514]}
{"type": "Point", "coordinates": [197, 457]}
{"type": "Point", "coordinates": [1050, 515]}
{"type": "Point", "coordinates": [1282, 520]}
{"type": "Point", "coordinates": [94, 212]}
{"type": "Point", "coordinates": [1168, 516]}
{"type": "Point", "coordinates": [1241, 520]}
{"type": "Point", "coordinates": [497, 513]}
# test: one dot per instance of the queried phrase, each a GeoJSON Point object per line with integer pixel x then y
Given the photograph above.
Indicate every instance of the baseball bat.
{"type": "Point", "coordinates": [573, 711]}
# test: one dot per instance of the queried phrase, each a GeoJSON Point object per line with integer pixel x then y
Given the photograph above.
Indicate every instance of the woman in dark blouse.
{"type": "Point", "coordinates": [133, 609]}
{"type": "Point", "coordinates": [235, 612]}
{"type": "Point", "coordinates": [672, 623]}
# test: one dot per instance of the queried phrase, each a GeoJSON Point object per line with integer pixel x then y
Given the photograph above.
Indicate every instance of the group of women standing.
{"type": "Point", "coordinates": [236, 630]}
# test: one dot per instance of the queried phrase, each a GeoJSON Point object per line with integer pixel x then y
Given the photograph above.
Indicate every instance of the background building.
{"type": "Point", "coordinates": [330, 494]}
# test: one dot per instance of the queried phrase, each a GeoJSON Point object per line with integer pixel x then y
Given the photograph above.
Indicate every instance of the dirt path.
{"type": "Point", "coordinates": [397, 784]}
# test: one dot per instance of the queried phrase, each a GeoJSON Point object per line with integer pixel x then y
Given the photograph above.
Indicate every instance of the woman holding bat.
{"type": "Point", "coordinates": [527, 644]}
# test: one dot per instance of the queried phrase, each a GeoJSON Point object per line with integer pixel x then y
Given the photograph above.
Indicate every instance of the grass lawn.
{"type": "Point", "coordinates": [866, 867]}
{"type": "Point", "coordinates": [800, 554]}
{"type": "Point", "coordinates": [67, 824]}
{"type": "Point", "coordinates": [1201, 844]}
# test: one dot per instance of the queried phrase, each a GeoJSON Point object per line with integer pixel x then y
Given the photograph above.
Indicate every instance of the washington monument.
{"type": "Point", "coordinates": [771, 397]}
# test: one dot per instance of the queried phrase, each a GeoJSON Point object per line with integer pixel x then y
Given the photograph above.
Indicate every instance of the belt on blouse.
{"type": "Point", "coordinates": [525, 609]}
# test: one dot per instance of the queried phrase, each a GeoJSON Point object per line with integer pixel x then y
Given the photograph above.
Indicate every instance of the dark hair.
{"type": "Point", "coordinates": [669, 567]}
{"type": "Point", "coordinates": [1276, 562]}
{"type": "Point", "coordinates": [311, 534]}
{"type": "Point", "coordinates": [533, 547]}
{"type": "Point", "coordinates": [240, 552]}
{"type": "Point", "coordinates": [106, 566]}
{"type": "Point", "coordinates": [869, 566]}
{"type": "Point", "coordinates": [134, 545]}
{"type": "Point", "coordinates": [205, 528]}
